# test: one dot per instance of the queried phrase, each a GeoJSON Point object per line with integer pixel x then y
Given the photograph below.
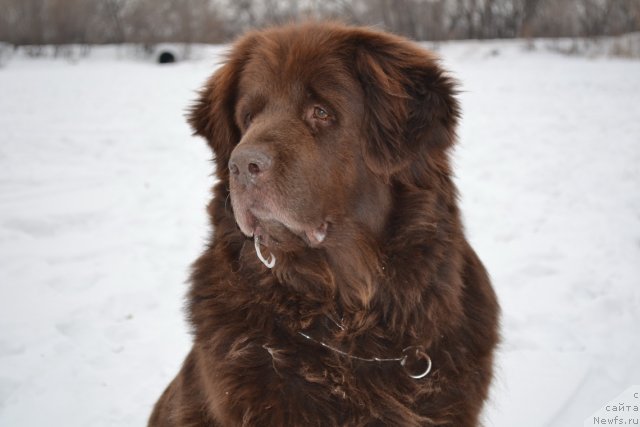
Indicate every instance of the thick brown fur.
{"type": "Point", "coordinates": [395, 269]}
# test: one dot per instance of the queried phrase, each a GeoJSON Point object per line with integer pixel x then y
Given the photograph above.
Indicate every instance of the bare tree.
{"type": "Point", "coordinates": [593, 16]}
{"type": "Point", "coordinates": [624, 17]}
{"type": "Point", "coordinates": [22, 22]}
{"type": "Point", "coordinates": [114, 10]}
{"type": "Point", "coordinates": [64, 26]}
{"type": "Point", "coordinates": [528, 10]}
{"type": "Point", "coordinates": [36, 22]}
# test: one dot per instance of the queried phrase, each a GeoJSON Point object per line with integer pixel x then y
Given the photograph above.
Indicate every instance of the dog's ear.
{"type": "Point", "coordinates": [212, 115]}
{"type": "Point", "coordinates": [410, 106]}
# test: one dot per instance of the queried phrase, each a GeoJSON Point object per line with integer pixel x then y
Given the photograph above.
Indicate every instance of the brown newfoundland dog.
{"type": "Point", "coordinates": [338, 288]}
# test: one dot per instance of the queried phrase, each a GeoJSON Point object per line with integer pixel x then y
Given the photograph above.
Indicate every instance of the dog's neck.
{"type": "Point", "coordinates": [352, 274]}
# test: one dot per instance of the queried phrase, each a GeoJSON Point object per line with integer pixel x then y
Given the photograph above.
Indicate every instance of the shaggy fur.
{"type": "Point", "coordinates": [332, 145]}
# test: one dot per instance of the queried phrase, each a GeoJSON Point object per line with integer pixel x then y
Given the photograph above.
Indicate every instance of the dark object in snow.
{"type": "Point", "coordinates": [338, 288]}
{"type": "Point", "coordinates": [166, 58]}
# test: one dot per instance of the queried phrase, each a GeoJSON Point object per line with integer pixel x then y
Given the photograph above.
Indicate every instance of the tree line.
{"type": "Point", "coordinates": [148, 22]}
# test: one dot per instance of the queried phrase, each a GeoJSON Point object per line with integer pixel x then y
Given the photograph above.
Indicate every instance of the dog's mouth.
{"type": "Point", "coordinates": [278, 229]}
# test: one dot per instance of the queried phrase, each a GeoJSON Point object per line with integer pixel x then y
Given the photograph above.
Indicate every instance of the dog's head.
{"type": "Point", "coordinates": [312, 125]}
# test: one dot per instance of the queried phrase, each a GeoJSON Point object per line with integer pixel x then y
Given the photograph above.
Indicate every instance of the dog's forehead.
{"type": "Point", "coordinates": [295, 63]}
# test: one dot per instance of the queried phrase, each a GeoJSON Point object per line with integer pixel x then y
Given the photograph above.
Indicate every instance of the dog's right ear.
{"type": "Point", "coordinates": [212, 115]}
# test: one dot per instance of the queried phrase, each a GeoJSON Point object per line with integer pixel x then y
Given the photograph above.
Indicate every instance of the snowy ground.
{"type": "Point", "coordinates": [102, 195]}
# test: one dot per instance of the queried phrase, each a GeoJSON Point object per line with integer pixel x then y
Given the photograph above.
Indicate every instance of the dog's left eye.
{"type": "Point", "coordinates": [320, 113]}
{"type": "Point", "coordinates": [247, 119]}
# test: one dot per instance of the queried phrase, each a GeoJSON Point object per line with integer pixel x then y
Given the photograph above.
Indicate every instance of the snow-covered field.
{"type": "Point", "coordinates": [102, 197]}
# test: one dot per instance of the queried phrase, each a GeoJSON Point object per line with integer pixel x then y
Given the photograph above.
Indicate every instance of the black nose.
{"type": "Point", "coordinates": [248, 163]}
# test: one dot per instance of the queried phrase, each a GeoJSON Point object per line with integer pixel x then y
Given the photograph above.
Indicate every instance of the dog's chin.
{"type": "Point", "coordinates": [280, 232]}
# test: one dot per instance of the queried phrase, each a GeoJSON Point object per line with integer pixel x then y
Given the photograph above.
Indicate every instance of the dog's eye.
{"type": "Point", "coordinates": [318, 118]}
{"type": "Point", "coordinates": [247, 120]}
{"type": "Point", "coordinates": [320, 113]}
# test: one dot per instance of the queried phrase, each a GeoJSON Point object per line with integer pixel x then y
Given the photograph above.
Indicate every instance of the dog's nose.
{"type": "Point", "coordinates": [248, 163]}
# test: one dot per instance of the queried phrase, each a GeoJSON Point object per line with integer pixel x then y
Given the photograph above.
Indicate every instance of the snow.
{"type": "Point", "coordinates": [102, 210]}
{"type": "Point", "coordinates": [549, 174]}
